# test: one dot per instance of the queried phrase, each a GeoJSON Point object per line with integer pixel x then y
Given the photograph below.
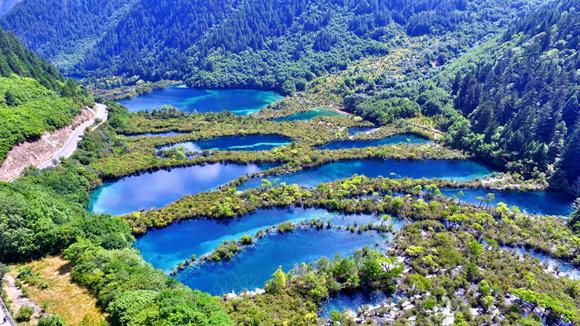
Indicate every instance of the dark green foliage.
{"type": "Point", "coordinates": [39, 216]}
{"type": "Point", "coordinates": [225, 43]}
{"type": "Point", "coordinates": [51, 320]}
{"type": "Point", "coordinates": [521, 100]}
{"type": "Point", "coordinates": [135, 293]}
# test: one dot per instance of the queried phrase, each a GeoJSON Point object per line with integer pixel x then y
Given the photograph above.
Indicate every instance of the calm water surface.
{"type": "Point", "coordinates": [353, 131]}
{"type": "Point", "coordinates": [254, 266]}
{"type": "Point", "coordinates": [308, 115]}
{"type": "Point", "coordinates": [238, 101]}
{"type": "Point", "coordinates": [233, 143]}
{"type": "Point", "coordinates": [157, 189]}
{"type": "Point", "coordinates": [533, 202]}
{"type": "Point", "coordinates": [444, 169]}
{"type": "Point", "coordinates": [390, 140]}
{"type": "Point", "coordinates": [167, 247]}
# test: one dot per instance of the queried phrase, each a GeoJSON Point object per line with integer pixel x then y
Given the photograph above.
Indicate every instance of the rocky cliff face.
{"type": "Point", "coordinates": [6, 5]}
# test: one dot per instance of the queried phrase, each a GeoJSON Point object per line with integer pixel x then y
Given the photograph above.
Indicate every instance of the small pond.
{"type": "Point", "coordinates": [308, 115]}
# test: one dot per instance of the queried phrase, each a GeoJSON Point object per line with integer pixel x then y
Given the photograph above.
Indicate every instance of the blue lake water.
{"type": "Point", "coordinates": [444, 169]}
{"type": "Point", "coordinates": [238, 101]}
{"type": "Point", "coordinates": [159, 188]}
{"type": "Point", "coordinates": [307, 115]}
{"type": "Point", "coordinates": [167, 247]}
{"type": "Point", "coordinates": [390, 140]}
{"type": "Point", "coordinates": [533, 202]}
{"type": "Point", "coordinates": [255, 265]}
{"type": "Point", "coordinates": [353, 131]}
{"type": "Point", "coordinates": [351, 302]}
{"type": "Point", "coordinates": [553, 263]}
{"type": "Point", "coordinates": [233, 143]}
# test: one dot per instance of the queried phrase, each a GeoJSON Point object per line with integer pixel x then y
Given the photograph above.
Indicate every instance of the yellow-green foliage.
{"type": "Point", "coordinates": [31, 110]}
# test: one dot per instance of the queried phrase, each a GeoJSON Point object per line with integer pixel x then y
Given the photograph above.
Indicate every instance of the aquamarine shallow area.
{"type": "Point", "coordinates": [233, 143]}
{"type": "Point", "coordinates": [532, 202]}
{"type": "Point", "coordinates": [238, 101]}
{"type": "Point", "coordinates": [255, 265]}
{"type": "Point", "coordinates": [390, 140]}
{"type": "Point", "coordinates": [444, 169]}
{"type": "Point", "coordinates": [308, 115]}
{"type": "Point", "coordinates": [157, 189]}
{"type": "Point", "coordinates": [166, 248]}
{"type": "Point", "coordinates": [351, 302]}
{"type": "Point", "coordinates": [353, 131]}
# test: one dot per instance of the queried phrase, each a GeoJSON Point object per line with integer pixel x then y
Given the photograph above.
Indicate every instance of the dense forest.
{"type": "Point", "coordinates": [522, 100]}
{"type": "Point", "coordinates": [512, 101]}
{"type": "Point", "coordinates": [279, 45]}
{"type": "Point", "coordinates": [34, 97]}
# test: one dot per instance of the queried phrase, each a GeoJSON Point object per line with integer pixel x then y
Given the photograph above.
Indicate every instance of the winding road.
{"type": "Point", "coordinates": [73, 139]}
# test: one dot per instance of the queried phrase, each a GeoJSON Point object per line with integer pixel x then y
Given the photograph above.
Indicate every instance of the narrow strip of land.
{"type": "Point", "coordinates": [52, 146]}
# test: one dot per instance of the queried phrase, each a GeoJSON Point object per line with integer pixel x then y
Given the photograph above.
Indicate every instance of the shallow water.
{"type": "Point", "coordinates": [167, 247]}
{"type": "Point", "coordinates": [351, 302]}
{"type": "Point", "coordinates": [553, 263]}
{"type": "Point", "coordinates": [255, 265]}
{"type": "Point", "coordinates": [308, 115]}
{"type": "Point", "coordinates": [353, 131]}
{"type": "Point", "coordinates": [233, 143]}
{"type": "Point", "coordinates": [389, 140]}
{"type": "Point", "coordinates": [533, 202]}
{"type": "Point", "coordinates": [444, 169]}
{"type": "Point", "coordinates": [159, 188]}
{"type": "Point", "coordinates": [238, 101]}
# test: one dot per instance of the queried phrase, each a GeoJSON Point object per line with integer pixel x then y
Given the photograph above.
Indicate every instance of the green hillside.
{"type": "Point", "coordinates": [34, 97]}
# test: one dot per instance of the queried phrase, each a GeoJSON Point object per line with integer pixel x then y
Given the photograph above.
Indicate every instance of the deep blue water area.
{"type": "Point", "coordinates": [165, 248]}
{"type": "Point", "coordinates": [238, 101]}
{"type": "Point", "coordinates": [533, 202]}
{"type": "Point", "coordinates": [459, 170]}
{"type": "Point", "coordinates": [159, 188]}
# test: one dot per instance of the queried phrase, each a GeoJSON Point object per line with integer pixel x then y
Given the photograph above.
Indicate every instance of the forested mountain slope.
{"type": "Point", "coordinates": [64, 31]}
{"type": "Point", "coordinates": [512, 101]}
{"type": "Point", "coordinates": [34, 97]}
{"type": "Point", "coordinates": [521, 98]}
{"type": "Point", "coordinates": [250, 43]}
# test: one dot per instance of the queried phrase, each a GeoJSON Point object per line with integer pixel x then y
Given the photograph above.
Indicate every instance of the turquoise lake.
{"type": "Point", "coordinates": [444, 169]}
{"type": "Point", "coordinates": [159, 188]}
{"type": "Point", "coordinates": [254, 266]}
{"type": "Point", "coordinates": [233, 143]}
{"type": "Point", "coordinates": [238, 101]}
{"type": "Point", "coordinates": [167, 247]}
{"type": "Point", "coordinates": [532, 202]}
{"type": "Point", "coordinates": [390, 140]}
{"type": "Point", "coordinates": [308, 115]}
